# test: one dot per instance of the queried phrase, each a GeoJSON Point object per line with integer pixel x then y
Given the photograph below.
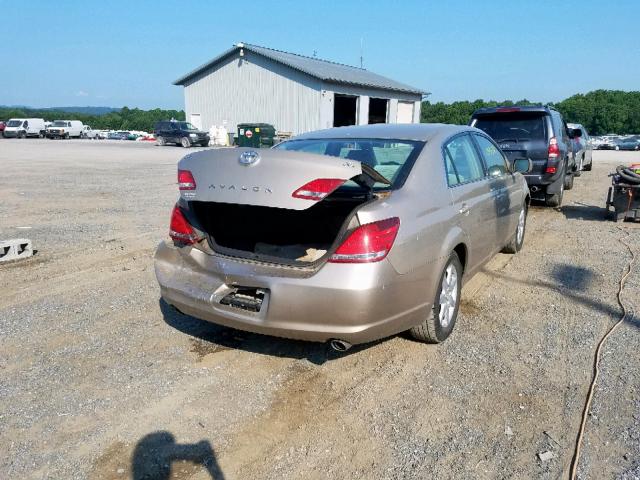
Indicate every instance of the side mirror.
{"type": "Point", "coordinates": [522, 165]}
{"type": "Point", "coordinates": [576, 133]}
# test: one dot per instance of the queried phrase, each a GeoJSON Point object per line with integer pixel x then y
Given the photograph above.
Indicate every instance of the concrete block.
{"type": "Point", "coordinates": [15, 249]}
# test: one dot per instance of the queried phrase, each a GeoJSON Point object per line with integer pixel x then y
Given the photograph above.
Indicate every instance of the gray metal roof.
{"type": "Point", "coordinates": [315, 67]}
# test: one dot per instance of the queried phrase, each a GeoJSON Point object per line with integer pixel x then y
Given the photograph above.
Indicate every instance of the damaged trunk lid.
{"type": "Point", "coordinates": [270, 178]}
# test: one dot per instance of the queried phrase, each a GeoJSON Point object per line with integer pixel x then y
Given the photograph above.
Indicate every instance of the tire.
{"type": "Point", "coordinates": [587, 168]}
{"type": "Point", "coordinates": [160, 141]}
{"type": "Point", "coordinates": [568, 182]}
{"type": "Point", "coordinates": [554, 199]}
{"type": "Point", "coordinates": [434, 329]}
{"type": "Point", "coordinates": [185, 142]}
{"type": "Point", "coordinates": [515, 245]}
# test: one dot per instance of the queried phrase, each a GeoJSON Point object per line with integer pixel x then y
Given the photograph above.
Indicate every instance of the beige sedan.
{"type": "Point", "coordinates": [344, 235]}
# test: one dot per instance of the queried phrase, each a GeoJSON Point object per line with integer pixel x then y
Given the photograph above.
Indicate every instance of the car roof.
{"type": "Point", "coordinates": [409, 131]}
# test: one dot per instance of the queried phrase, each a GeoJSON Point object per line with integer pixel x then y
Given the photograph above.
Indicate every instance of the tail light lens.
{"type": "Point", "coordinates": [318, 189]}
{"type": "Point", "coordinates": [554, 150]}
{"type": "Point", "coordinates": [368, 243]}
{"type": "Point", "coordinates": [186, 180]}
{"type": "Point", "coordinates": [180, 230]}
{"type": "Point", "coordinates": [551, 170]}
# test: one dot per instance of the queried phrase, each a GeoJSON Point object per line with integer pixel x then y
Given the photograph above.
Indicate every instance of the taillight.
{"type": "Point", "coordinates": [368, 243]}
{"type": "Point", "coordinates": [507, 109]}
{"type": "Point", "coordinates": [180, 230]}
{"type": "Point", "coordinates": [551, 170]}
{"type": "Point", "coordinates": [318, 189]}
{"type": "Point", "coordinates": [554, 150]}
{"type": "Point", "coordinates": [186, 180]}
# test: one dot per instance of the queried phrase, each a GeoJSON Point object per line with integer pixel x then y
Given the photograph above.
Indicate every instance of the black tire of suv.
{"type": "Point", "coordinates": [587, 168]}
{"type": "Point", "coordinates": [568, 182]}
{"type": "Point", "coordinates": [185, 142]}
{"type": "Point", "coordinates": [514, 246]}
{"type": "Point", "coordinates": [554, 199]}
{"type": "Point", "coordinates": [160, 141]}
{"type": "Point", "coordinates": [430, 330]}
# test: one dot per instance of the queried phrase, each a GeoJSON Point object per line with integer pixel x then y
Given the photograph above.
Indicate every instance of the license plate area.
{"type": "Point", "coordinates": [245, 298]}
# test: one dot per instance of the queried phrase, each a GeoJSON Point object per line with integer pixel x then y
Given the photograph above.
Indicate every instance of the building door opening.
{"type": "Point", "coordinates": [378, 110]}
{"type": "Point", "coordinates": [344, 110]}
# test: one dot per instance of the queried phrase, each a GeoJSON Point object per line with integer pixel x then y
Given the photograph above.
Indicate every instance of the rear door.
{"type": "Point", "coordinates": [471, 197]}
{"type": "Point", "coordinates": [505, 192]}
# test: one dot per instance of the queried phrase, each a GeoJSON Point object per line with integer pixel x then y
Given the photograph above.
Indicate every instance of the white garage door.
{"type": "Point", "coordinates": [196, 121]}
{"type": "Point", "coordinates": [405, 112]}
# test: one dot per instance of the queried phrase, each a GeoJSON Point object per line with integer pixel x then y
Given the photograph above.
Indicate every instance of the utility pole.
{"type": "Point", "coordinates": [361, 52]}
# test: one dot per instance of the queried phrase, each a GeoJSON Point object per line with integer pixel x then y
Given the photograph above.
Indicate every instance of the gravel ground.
{"type": "Point", "coordinates": [101, 380]}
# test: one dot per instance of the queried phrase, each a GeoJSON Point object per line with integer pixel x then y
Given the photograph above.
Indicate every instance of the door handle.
{"type": "Point", "coordinates": [464, 209]}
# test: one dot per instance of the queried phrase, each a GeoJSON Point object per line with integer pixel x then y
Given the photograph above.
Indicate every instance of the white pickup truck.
{"type": "Point", "coordinates": [88, 132]}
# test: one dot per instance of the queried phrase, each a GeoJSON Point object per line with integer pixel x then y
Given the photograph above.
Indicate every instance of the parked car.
{"type": "Point", "coordinates": [628, 144]}
{"type": "Point", "coordinates": [582, 148]}
{"type": "Point", "coordinates": [88, 132]}
{"type": "Point", "coordinates": [345, 235]}
{"type": "Point", "coordinates": [180, 133]}
{"type": "Point", "coordinates": [608, 144]}
{"type": "Point", "coordinates": [537, 133]}
{"type": "Point", "coordinates": [65, 129]}
{"type": "Point", "coordinates": [23, 128]}
{"type": "Point", "coordinates": [2, 125]}
{"type": "Point", "coordinates": [118, 135]}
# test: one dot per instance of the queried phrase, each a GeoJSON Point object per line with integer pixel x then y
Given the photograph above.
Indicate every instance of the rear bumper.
{"type": "Point", "coordinates": [355, 303]}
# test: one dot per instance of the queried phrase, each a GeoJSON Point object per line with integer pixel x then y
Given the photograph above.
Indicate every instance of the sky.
{"type": "Point", "coordinates": [115, 53]}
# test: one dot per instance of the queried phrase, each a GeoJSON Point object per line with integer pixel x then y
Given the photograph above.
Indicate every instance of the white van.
{"type": "Point", "coordinates": [65, 129]}
{"type": "Point", "coordinates": [24, 127]}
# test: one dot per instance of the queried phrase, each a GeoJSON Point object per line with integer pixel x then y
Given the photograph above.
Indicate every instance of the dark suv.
{"type": "Point", "coordinates": [539, 134]}
{"type": "Point", "coordinates": [180, 133]}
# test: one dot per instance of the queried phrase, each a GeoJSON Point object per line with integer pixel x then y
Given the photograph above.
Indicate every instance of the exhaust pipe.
{"type": "Point", "coordinates": [340, 345]}
{"type": "Point", "coordinates": [534, 188]}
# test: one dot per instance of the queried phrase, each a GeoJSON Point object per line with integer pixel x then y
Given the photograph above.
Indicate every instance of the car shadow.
{"type": "Point", "coordinates": [581, 211]}
{"type": "Point", "coordinates": [570, 281]}
{"type": "Point", "coordinates": [230, 338]}
{"type": "Point", "coordinates": [156, 452]}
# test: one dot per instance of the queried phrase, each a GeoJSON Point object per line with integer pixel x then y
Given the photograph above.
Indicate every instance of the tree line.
{"type": "Point", "coordinates": [600, 111]}
{"type": "Point", "coordinates": [123, 119]}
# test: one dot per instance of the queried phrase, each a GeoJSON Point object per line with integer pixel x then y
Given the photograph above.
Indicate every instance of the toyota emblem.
{"type": "Point", "coordinates": [249, 158]}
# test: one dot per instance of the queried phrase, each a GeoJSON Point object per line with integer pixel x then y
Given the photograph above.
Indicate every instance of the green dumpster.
{"type": "Point", "coordinates": [256, 135]}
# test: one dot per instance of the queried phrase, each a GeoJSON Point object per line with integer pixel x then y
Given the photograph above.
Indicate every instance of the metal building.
{"type": "Point", "coordinates": [294, 93]}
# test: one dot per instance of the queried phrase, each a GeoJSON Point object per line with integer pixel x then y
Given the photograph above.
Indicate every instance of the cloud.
{"type": "Point", "coordinates": [82, 93]}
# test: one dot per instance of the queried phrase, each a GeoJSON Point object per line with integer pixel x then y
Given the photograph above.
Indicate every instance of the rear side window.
{"type": "Point", "coordinates": [462, 162]}
{"type": "Point", "coordinates": [492, 156]}
{"type": "Point", "coordinates": [513, 127]}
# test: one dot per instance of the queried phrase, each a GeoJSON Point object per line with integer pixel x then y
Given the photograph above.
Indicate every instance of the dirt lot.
{"type": "Point", "coordinates": [101, 380]}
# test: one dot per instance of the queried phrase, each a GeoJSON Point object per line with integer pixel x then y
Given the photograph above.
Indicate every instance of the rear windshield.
{"type": "Point", "coordinates": [513, 127]}
{"type": "Point", "coordinates": [14, 123]}
{"type": "Point", "coordinates": [392, 159]}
